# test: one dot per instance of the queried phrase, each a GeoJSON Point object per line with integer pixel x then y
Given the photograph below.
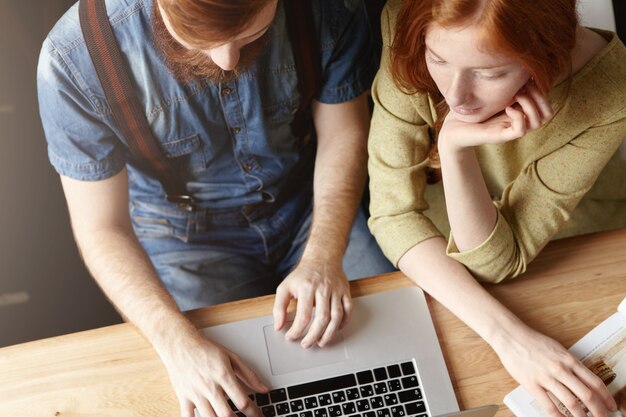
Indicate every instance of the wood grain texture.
{"type": "Point", "coordinates": [571, 287]}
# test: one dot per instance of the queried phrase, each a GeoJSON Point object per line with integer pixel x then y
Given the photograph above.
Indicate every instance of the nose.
{"type": "Point", "coordinates": [458, 91]}
{"type": "Point", "coordinates": [225, 56]}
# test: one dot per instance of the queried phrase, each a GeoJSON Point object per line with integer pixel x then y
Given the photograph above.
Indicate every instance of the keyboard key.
{"type": "Point", "coordinates": [397, 411]}
{"type": "Point", "coordinates": [296, 406]}
{"type": "Point", "coordinates": [365, 377]}
{"type": "Point", "coordinates": [363, 405]}
{"type": "Point", "coordinates": [292, 415]}
{"type": "Point", "coordinates": [380, 388]}
{"type": "Point", "coordinates": [380, 374]}
{"type": "Point", "coordinates": [334, 411]}
{"type": "Point", "coordinates": [306, 414]}
{"type": "Point", "coordinates": [352, 394]}
{"type": "Point", "coordinates": [410, 395]}
{"type": "Point", "coordinates": [325, 399]}
{"type": "Point", "coordinates": [310, 402]}
{"type": "Point", "coordinates": [377, 402]}
{"type": "Point", "coordinates": [262, 399]}
{"type": "Point", "coordinates": [321, 386]}
{"type": "Point", "coordinates": [394, 385]}
{"type": "Point", "coordinates": [409, 382]}
{"type": "Point", "coordinates": [394, 371]}
{"type": "Point", "coordinates": [369, 414]}
{"type": "Point", "coordinates": [366, 391]}
{"type": "Point", "coordinates": [320, 412]}
{"type": "Point", "coordinates": [338, 396]}
{"type": "Point", "coordinates": [282, 409]}
{"type": "Point", "coordinates": [348, 408]}
{"type": "Point", "coordinates": [240, 414]}
{"type": "Point", "coordinates": [391, 399]}
{"type": "Point", "coordinates": [408, 368]}
{"type": "Point", "coordinates": [415, 408]}
{"type": "Point", "coordinates": [278, 395]}
{"type": "Point", "coordinates": [383, 412]}
{"type": "Point", "coordinates": [268, 411]}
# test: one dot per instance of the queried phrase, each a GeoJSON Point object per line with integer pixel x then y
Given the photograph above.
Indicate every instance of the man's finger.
{"type": "Point", "coordinates": [247, 375]}
{"type": "Point", "coordinates": [336, 317]}
{"type": "Point", "coordinates": [304, 312]}
{"type": "Point", "coordinates": [281, 302]}
{"type": "Point", "coordinates": [348, 306]}
{"type": "Point", "coordinates": [321, 320]}
{"type": "Point", "coordinates": [204, 408]}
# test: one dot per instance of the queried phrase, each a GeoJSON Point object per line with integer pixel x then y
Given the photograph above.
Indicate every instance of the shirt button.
{"type": "Point", "coordinates": [226, 91]}
{"type": "Point", "coordinates": [235, 130]}
{"type": "Point", "coordinates": [247, 167]}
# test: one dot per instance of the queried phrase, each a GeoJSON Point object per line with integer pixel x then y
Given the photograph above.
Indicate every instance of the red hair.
{"type": "Point", "coordinates": [540, 35]}
{"type": "Point", "coordinates": [202, 21]}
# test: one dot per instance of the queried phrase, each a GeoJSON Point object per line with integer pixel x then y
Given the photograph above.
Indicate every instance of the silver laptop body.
{"type": "Point", "coordinates": [387, 328]}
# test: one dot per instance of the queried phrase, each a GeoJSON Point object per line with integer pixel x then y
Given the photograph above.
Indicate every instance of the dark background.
{"type": "Point", "coordinates": [39, 262]}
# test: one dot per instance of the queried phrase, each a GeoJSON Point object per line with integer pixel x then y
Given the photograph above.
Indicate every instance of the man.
{"type": "Point", "coordinates": [218, 84]}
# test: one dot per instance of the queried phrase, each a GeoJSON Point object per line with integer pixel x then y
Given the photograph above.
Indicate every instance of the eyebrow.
{"type": "Point", "coordinates": [477, 68]}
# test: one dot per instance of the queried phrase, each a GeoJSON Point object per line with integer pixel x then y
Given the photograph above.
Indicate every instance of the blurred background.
{"type": "Point", "coordinates": [44, 288]}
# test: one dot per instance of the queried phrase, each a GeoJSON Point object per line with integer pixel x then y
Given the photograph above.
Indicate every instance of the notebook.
{"type": "Point", "coordinates": [386, 362]}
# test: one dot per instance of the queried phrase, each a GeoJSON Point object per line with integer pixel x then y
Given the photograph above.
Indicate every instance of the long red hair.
{"type": "Point", "coordinates": [538, 34]}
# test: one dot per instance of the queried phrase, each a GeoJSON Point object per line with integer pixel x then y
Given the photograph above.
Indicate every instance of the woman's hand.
{"type": "Point", "coordinates": [542, 365]}
{"type": "Point", "coordinates": [529, 111]}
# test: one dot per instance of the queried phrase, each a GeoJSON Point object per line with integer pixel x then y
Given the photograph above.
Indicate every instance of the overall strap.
{"type": "Point", "coordinates": [304, 41]}
{"type": "Point", "coordinates": [119, 92]}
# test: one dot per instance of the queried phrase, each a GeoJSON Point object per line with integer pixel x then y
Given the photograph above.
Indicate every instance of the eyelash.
{"type": "Point", "coordinates": [434, 61]}
{"type": "Point", "coordinates": [492, 77]}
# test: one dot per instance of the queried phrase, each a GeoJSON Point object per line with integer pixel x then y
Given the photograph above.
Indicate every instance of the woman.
{"type": "Point", "coordinates": [512, 115]}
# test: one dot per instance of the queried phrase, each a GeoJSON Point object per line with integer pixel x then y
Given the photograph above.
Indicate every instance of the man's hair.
{"type": "Point", "coordinates": [200, 21]}
{"type": "Point", "coordinates": [540, 35]}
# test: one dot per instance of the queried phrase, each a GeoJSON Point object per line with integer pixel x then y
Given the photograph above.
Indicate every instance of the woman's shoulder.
{"type": "Point", "coordinates": [388, 19]}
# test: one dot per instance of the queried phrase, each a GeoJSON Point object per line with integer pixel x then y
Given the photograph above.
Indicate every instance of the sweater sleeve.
{"type": "Point", "coordinates": [399, 144]}
{"type": "Point", "coordinates": [539, 201]}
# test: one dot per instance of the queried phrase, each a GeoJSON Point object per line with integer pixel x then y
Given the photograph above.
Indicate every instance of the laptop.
{"type": "Point", "coordinates": [386, 362]}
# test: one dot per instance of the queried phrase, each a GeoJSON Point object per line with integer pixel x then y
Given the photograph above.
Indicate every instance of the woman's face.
{"type": "Point", "coordinates": [475, 83]}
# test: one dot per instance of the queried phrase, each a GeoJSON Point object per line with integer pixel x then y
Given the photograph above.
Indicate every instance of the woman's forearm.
{"type": "Point", "coordinates": [471, 212]}
{"type": "Point", "coordinates": [452, 285]}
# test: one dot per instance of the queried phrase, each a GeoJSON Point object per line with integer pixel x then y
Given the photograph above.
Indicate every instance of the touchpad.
{"type": "Point", "coordinates": [287, 356]}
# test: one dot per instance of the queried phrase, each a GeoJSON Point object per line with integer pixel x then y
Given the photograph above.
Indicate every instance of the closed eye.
{"type": "Point", "coordinates": [435, 61]}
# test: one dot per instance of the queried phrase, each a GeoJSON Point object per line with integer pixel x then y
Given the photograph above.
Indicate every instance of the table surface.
{"type": "Point", "coordinates": [113, 371]}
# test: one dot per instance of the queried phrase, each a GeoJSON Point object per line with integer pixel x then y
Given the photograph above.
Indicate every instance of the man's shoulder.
{"type": "Point", "coordinates": [67, 34]}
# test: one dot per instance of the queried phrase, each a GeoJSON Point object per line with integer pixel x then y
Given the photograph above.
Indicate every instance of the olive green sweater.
{"type": "Point", "coordinates": [565, 179]}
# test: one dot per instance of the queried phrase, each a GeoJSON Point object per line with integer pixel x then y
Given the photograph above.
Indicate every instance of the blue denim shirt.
{"type": "Point", "coordinates": [232, 141]}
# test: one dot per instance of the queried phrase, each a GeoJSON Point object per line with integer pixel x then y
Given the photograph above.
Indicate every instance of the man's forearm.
{"type": "Point", "coordinates": [340, 171]}
{"type": "Point", "coordinates": [124, 272]}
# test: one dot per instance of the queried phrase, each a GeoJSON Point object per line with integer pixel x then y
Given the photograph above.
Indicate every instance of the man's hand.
{"type": "Point", "coordinates": [205, 375]}
{"type": "Point", "coordinates": [542, 365]}
{"type": "Point", "coordinates": [324, 286]}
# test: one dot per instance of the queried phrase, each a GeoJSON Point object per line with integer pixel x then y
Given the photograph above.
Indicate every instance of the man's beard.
{"type": "Point", "coordinates": [192, 65]}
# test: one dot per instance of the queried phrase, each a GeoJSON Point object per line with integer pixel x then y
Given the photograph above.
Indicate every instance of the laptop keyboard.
{"type": "Point", "coordinates": [388, 391]}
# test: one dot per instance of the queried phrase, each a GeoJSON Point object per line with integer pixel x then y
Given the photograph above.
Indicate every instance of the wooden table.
{"type": "Point", "coordinates": [113, 371]}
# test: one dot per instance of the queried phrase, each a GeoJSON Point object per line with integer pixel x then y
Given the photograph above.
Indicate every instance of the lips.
{"type": "Point", "coordinates": [464, 111]}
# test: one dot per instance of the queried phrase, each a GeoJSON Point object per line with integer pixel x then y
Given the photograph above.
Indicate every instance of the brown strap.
{"type": "Point", "coordinates": [119, 92]}
{"type": "Point", "coordinates": [306, 53]}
